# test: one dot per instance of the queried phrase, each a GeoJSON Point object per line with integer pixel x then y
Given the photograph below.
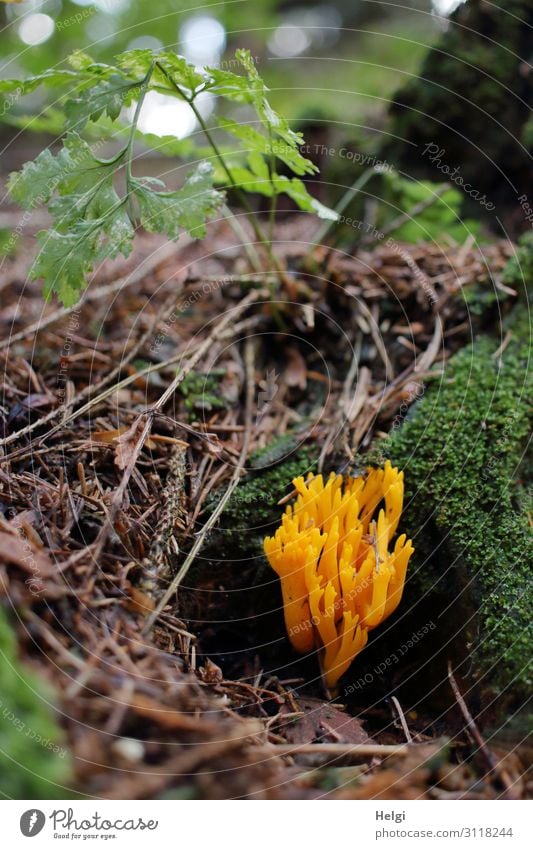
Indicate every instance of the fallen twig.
{"type": "Point", "coordinates": [356, 750]}
{"type": "Point", "coordinates": [402, 719]}
{"type": "Point", "coordinates": [474, 732]}
{"type": "Point", "coordinates": [428, 357]}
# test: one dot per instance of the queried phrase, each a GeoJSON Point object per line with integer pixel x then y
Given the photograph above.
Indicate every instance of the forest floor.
{"type": "Point", "coordinates": [126, 422]}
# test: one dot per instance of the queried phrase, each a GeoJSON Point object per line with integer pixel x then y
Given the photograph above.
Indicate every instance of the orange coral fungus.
{"type": "Point", "coordinates": [338, 578]}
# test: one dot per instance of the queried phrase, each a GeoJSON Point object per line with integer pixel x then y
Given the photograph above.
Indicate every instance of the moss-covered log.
{"type": "Point", "coordinates": [463, 449]}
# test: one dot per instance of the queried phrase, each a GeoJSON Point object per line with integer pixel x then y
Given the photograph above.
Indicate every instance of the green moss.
{"type": "Point", "coordinates": [278, 450]}
{"type": "Point", "coordinates": [202, 391]}
{"type": "Point", "coordinates": [252, 510]}
{"type": "Point", "coordinates": [33, 763]}
{"type": "Point", "coordinates": [481, 299]}
{"type": "Point", "coordinates": [441, 215]}
{"type": "Point", "coordinates": [462, 449]}
{"type": "Point", "coordinates": [518, 272]}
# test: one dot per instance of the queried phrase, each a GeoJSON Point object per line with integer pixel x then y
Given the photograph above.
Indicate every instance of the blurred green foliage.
{"type": "Point", "coordinates": [358, 50]}
{"type": "Point", "coordinates": [353, 86]}
{"type": "Point", "coordinates": [518, 272]}
{"type": "Point", "coordinates": [33, 763]}
{"type": "Point", "coordinates": [107, 27]}
{"type": "Point", "coordinates": [201, 391]}
{"type": "Point", "coordinates": [433, 216]}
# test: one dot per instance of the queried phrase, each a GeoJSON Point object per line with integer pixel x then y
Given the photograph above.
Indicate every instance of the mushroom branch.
{"type": "Point", "coordinates": [340, 577]}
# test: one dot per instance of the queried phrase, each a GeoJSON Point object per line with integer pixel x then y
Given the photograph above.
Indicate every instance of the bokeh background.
{"type": "Point", "coordinates": [333, 71]}
{"type": "Point", "coordinates": [378, 79]}
{"type": "Point", "coordinates": [361, 47]}
{"type": "Point", "coordinates": [336, 63]}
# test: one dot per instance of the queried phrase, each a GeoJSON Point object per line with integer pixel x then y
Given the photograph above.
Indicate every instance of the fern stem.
{"type": "Point", "coordinates": [274, 197]}
{"type": "Point", "coordinates": [136, 115]}
{"type": "Point", "coordinates": [258, 230]}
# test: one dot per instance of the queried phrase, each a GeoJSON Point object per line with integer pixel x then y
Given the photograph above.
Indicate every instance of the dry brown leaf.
{"type": "Point", "coordinates": [24, 554]}
{"type": "Point", "coordinates": [139, 602]}
{"type": "Point", "coordinates": [323, 723]}
{"type": "Point", "coordinates": [108, 436]}
{"type": "Point", "coordinates": [210, 673]}
{"type": "Point", "coordinates": [126, 444]}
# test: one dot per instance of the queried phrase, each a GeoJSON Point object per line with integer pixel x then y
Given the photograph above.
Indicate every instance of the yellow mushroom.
{"type": "Point", "coordinates": [338, 577]}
